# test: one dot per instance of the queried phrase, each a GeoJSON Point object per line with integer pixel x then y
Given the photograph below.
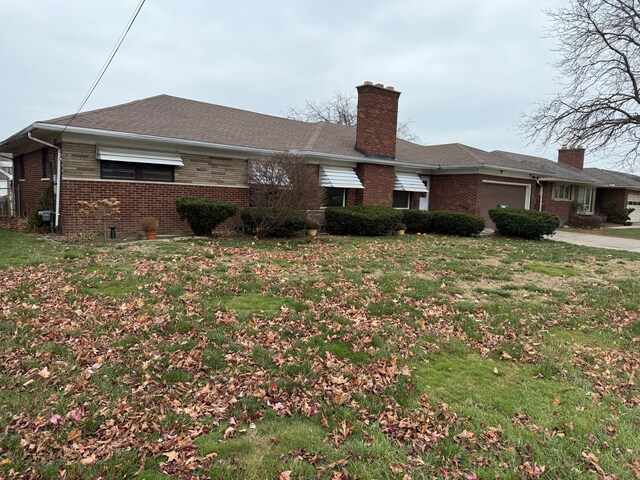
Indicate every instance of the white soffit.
{"type": "Point", "coordinates": [339, 177]}
{"type": "Point", "coordinates": [409, 182]}
{"type": "Point", "coordinates": [139, 156]}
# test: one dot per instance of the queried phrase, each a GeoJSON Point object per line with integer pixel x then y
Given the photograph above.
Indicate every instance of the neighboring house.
{"type": "Point", "coordinates": [150, 152]}
{"type": "Point", "coordinates": [6, 177]}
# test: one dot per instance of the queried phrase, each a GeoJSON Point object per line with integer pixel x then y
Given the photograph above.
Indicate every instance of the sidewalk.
{"type": "Point", "coordinates": [598, 241]}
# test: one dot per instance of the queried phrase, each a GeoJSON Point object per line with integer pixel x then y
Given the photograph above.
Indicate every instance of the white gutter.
{"type": "Point", "coordinates": [541, 192]}
{"type": "Point", "coordinates": [58, 175]}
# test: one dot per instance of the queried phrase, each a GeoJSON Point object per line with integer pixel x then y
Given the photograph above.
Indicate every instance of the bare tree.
{"type": "Point", "coordinates": [599, 67]}
{"type": "Point", "coordinates": [282, 188]}
{"type": "Point", "coordinates": [343, 110]}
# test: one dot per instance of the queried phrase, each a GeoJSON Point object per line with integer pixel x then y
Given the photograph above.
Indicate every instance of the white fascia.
{"type": "Point", "coordinates": [250, 151]}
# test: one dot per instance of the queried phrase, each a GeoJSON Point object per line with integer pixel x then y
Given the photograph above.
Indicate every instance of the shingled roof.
{"type": "Point", "coordinates": [549, 168]}
{"type": "Point", "coordinates": [183, 119]}
{"type": "Point", "coordinates": [614, 179]}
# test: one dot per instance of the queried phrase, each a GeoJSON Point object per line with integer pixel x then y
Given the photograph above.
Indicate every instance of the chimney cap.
{"type": "Point", "coordinates": [389, 87]}
{"type": "Point", "coordinates": [379, 85]}
{"type": "Point", "coordinates": [368, 82]}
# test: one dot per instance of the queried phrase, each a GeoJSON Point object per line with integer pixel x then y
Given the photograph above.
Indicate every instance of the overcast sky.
{"type": "Point", "coordinates": [467, 69]}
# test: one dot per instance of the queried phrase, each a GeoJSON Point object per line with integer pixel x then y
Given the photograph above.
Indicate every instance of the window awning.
{"type": "Point", "coordinates": [339, 177]}
{"type": "Point", "coordinates": [139, 156]}
{"type": "Point", "coordinates": [409, 182]}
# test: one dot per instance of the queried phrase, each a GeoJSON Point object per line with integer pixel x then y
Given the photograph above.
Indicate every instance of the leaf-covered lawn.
{"type": "Point", "coordinates": [401, 357]}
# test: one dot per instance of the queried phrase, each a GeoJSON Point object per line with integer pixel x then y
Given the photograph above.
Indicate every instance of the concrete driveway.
{"type": "Point", "coordinates": [599, 241]}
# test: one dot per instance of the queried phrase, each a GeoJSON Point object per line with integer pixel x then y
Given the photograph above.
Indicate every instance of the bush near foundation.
{"type": "Point", "coordinates": [364, 220]}
{"type": "Point", "coordinates": [273, 223]}
{"type": "Point", "coordinates": [527, 224]}
{"type": "Point", "coordinates": [617, 214]}
{"type": "Point", "coordinates": [204, 214]}
{"type": "Point", "coordinates": [443, 221]}
{"type": "Point", "coordinates": [586, 221]}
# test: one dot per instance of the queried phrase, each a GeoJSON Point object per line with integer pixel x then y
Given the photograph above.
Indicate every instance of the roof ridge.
{"type": "Point", "coordinates": [469, 151]}
{"type": "Point", "coordinates": [316, 130]}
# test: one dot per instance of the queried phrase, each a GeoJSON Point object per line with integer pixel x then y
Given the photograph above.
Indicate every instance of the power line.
{"type": "Point", "coordinates": [103, 70]}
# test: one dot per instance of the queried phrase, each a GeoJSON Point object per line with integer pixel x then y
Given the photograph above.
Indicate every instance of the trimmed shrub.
{"type": "Point", "coordinates": [528, 224]}
{"type": "Point", "coordinates": [585, 221]}
{"type": "Point", "coordinates": [443, 221]}
{"type": "Point", "coordinates": [455, 223]}
{"type": "Point", "coordinates": [365, 220]}
{"type": "Point", "coordinates": [616, 214]}
{"type": "Point", "coordinates": [204, 214]}
{"type": "Point", "coordinates": [417, 221]}
{"type": "Point", "coordinates": [278, 223]}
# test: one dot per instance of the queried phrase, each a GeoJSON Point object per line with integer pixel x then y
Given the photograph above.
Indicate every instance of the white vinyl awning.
{"type": "Point", "coordinates": [339, 177]}
{"type": "Point", "coordinates": [139, 156]}
{"type": "Point", "coordinates": [409, 182]}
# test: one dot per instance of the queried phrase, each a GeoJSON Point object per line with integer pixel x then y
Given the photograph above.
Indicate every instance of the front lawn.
{"type": "Point", "coordinates": [397, 357]}
{"type": "Point", "coordinates": [633, 233]}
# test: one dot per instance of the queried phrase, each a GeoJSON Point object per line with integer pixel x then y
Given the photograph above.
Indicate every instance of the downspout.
{"type": "Point", "coordinates": [541, 192]}
{"type": "Point", "coordinates": [58, 175]}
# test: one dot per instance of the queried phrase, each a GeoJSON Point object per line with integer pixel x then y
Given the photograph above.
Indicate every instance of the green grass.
{"type": "Point", "coordinates": [552, 270]}
{"type": "Point", "coordinates": [632, 233]}
{"type": "Point", "coordinates": [248, 359]}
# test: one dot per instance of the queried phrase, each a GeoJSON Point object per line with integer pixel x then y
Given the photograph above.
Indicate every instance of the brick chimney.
{"type": "Point", "coordinates": [377, 120]}
{"type": "Point", "coordinates": [574, 157]}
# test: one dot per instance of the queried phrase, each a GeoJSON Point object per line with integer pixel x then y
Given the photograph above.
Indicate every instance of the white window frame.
{"type": "Point", "coordinates": [344, 198]}
{"type": "Point", "coordinates": [566, 189]}
{"type": "Point", "coordinates": [587, 206]}
{"type": "Point", "coordinates": [408, 206]}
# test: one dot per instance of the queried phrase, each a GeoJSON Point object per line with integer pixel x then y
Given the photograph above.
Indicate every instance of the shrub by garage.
{"type": "Point", "coordinates": [365, 220]}
{"type": "Point", "coordinates": [204, 214]}
{"type": "Point", "coordinates": [527, 224]}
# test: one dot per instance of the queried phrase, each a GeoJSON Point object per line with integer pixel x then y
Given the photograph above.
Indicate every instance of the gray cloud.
{"type": "Point", "coordinates": [466, 69]}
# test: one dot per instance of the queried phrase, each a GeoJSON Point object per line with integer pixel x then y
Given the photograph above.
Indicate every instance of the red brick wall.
{"type": "Point", "coordinates": [378, 183]}
{"type": "Point", "coordinates": [455, 192]}
{"type": "Point", "coordinates": [32, 186]}
{"type": "Point", "coordinates": [463, 193]}
{"type": "Point", "coordinates": [615, 195]}
{"type": "Point", "coordinates": [562, 208]}
{"type": "Point", "coordinates": [574, 157]}
{"type": "Point", "coordinates": [141, 200]}
{"type": "Point", "coordinates": [377, 121]}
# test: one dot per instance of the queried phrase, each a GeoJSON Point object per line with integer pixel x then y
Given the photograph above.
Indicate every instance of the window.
{"type": "Point", "coordinates": [20, 166]}
{"type": "Point", "coordinates": [401, 199]}
{"type": "Point", "coordinates": [136, 171]}
{"type": "Point", "coordinates": [335, 197]}
{"type": "Point", "coordinates": [46, 165]}
{"type": "Point", "coordinates": [585, 199]}
{"type": "Point", "coordinates": [561, 191]}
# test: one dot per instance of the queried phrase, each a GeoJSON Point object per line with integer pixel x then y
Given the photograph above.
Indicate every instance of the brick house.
{"type": "Point", "coordinates": [150, 152]}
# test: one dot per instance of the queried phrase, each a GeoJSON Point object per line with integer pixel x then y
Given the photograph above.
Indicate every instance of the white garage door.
{"type": "Point", "coordinates": [633, 201]}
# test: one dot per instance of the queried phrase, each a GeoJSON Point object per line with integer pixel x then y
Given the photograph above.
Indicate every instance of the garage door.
{"type": "Point", "coordinates": [514, 196]}
{"type": "Point", "coordinates": [633, 201]}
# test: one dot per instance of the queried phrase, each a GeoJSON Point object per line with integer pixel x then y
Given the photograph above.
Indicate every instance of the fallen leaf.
{"type": "Point", "coordinates": [55, 419]}
{"type": "Point", "coordinates": [171, 456]}
{"type": "Point", "coordinates": [286, 475]}
{"type": "Point", "coordinates": [88, 460]}
{"type": "Point", "coordinates": [73, 434]}
{"type": "Point", "coordinates": [44, 373]}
